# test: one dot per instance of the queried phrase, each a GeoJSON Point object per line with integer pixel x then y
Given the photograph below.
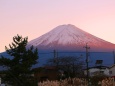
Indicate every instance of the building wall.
{"type": "Point", "coordinates": [94, 71]}
{"type": "Point", "coordinates": [112, 71]}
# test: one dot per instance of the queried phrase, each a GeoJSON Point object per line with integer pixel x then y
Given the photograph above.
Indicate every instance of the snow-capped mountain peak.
{"type": "Point", "coordinates": [68, 37]}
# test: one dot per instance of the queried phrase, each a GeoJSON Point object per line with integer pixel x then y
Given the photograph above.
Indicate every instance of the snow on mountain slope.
{"type": "Point", "coordinates": [69, 37]}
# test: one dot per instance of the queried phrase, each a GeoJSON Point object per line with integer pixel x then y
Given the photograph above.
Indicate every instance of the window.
{"type": "Point", "coordinates": [101, 72]}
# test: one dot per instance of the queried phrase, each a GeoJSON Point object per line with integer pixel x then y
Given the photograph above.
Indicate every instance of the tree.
{"type": "Point", "coordinates": [20, 63]}
{"type": "Point", "coordinates": [72, 66]}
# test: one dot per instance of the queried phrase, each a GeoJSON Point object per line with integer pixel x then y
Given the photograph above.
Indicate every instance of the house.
{"type": "Point", "coordinates": [112, 71]}
{"type": "Point", "coordinates": [92, 71]}
{"type": "Point", "coordinates": [44, 73]}
{"type": "Point", "coordinates": [97, 69]}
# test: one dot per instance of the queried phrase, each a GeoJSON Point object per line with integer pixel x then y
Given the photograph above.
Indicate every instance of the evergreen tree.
{"type": "Point", "coordinates": [20, 63]}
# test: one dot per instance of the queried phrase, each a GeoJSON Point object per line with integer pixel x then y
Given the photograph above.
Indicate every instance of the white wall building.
{"type": "Point", "coordinates": [97, 70]}
{"type": "Point", "coordinates": [112, 70]}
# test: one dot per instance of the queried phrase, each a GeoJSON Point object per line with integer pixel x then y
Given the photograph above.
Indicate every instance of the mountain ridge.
{"type": "Point", "coordinates": [69, 37]}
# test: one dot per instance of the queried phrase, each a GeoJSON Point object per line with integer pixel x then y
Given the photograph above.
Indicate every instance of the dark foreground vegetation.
{"type": "Point", "coordinates": [18, 67]}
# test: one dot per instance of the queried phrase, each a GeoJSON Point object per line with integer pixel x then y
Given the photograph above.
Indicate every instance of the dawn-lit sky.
{"type": "Point", "coordinates": [33, 18]}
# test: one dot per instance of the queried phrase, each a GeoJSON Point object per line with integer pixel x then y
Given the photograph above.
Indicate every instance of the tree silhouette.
{"type": "Point", "coordinates": [20, 63]}
{"type": "Point", "coordinates": [72, 66]}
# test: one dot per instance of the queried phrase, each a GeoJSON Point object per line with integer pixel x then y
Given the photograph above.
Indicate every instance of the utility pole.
{"type": "Point", "coordinates": [87, 62]}
{"type": "Point", "coordinates": [55, 57]}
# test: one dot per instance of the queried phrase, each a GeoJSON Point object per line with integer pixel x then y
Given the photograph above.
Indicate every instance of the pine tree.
{"type": "Point", "coordinates": [20, 63]}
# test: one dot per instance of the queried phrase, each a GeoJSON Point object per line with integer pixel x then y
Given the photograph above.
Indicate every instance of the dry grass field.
{"type": "Point", "coordinates": [76, 82]}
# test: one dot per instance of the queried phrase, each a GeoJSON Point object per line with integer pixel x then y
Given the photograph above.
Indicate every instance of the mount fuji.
{"type": "Point", "coordinates": [70, 38]}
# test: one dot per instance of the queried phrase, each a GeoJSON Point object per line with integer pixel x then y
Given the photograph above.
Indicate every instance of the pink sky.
{"type": "Point", "coordinates": [33, 18]}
